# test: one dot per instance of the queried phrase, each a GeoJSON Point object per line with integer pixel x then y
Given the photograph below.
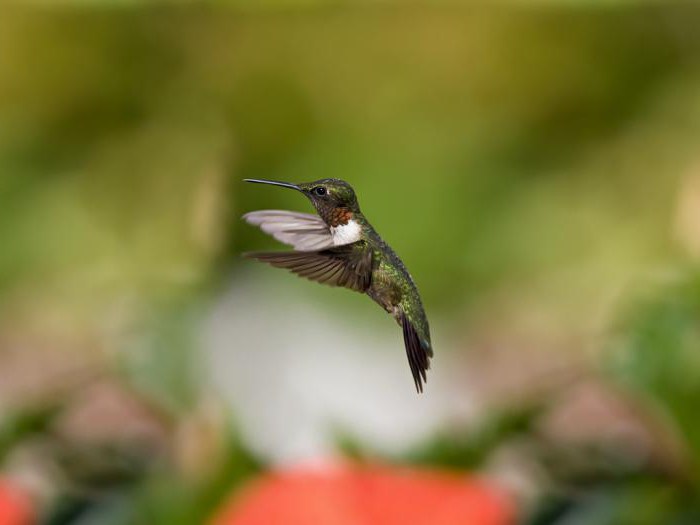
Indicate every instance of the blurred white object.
{"type": "Point", "coordinates": [297, 375]}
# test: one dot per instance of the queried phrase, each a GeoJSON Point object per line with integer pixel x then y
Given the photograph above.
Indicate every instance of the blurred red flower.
{"type": "Point", "coordinates": [15, 506]}
{"type": "Point", "coordinates": [368, 495]}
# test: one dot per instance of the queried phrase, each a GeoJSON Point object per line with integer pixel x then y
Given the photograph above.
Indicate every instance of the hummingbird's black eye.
{"type": "Point", "coordinates": [319, 190]}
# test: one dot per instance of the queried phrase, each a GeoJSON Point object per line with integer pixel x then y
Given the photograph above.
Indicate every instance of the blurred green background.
{"type": "Point", "coordinates": [535, 163]}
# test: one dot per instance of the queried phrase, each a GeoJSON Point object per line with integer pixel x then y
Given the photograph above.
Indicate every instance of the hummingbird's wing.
{"type": "Point", "coordinates": [349, 265]}
{"type": "Point", "coordinates": [302, 231]}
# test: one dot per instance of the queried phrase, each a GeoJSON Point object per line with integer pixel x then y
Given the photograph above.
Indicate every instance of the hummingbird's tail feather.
{"type": "Point", "coordinates": [417, 351]}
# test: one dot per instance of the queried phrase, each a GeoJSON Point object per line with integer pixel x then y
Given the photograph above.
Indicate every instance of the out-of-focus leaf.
{"type": "Point", "coordinates": [167, 498]}
{"type": "Point", "coordinates": [658, 357]}
{"type": "Point", "coordinates": [18, 426]}
{"type": "Point", "coordinates": [461, 449]}
{"type": "Point", "coordinates": [472, 448]}
{"type": "Point", "coordinates": [621, 502]}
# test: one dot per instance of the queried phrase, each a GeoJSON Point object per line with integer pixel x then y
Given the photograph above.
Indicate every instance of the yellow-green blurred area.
{"type": "Point", "coordinates": [536, 164]}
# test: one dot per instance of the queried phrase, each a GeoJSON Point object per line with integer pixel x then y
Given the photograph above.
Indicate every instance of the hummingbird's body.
{"type": "Point", "coordinates": [341, 248]}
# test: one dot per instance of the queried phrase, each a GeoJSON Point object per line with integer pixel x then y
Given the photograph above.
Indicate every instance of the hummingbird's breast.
{"type": "Point", "coordinates": [346, 233]}
{"type": "Point", "coordinates": [344, 227]}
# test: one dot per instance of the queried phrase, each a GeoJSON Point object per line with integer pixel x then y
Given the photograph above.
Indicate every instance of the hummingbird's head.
{"type": "Point", "coordinates": [334, 199]}
{"type": "Point", "coordinates": [330, 194]}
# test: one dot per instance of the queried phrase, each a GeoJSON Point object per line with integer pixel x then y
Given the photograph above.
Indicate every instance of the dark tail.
{"type": "Point", "coordinates": [418, 352]}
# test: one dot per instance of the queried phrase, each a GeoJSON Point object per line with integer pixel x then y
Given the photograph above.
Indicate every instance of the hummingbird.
{"type": "Point", "coordinates": [339, 247]}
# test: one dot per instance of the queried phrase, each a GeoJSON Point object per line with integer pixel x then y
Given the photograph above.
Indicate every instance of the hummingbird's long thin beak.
{"type": "Point", "coordinates": [274, 183]}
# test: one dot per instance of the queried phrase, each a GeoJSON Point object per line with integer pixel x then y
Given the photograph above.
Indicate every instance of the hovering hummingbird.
{"type": "Point", "coordinates": [339, 247]}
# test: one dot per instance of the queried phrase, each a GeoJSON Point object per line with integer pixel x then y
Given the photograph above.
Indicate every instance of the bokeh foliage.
{"type": "Point", "coordinates": [513, 127]}
{"type": "Point", "coordinates": [523, 156]}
